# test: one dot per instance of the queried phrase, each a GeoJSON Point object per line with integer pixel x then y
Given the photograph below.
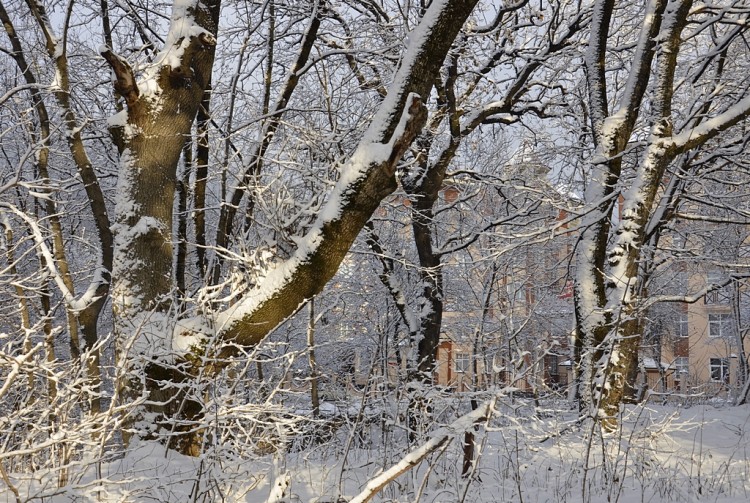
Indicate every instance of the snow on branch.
{"type": "Point", "coordinates": [16, 365]}
{"type": "Point", "coordinates": [391, 281]}
{"type": "Point", "coordinates": [698, 135]}
{"type": "Point", "coordinates": [439, 438]}
{"type": "Point", "coordinates": [182, 29]}
{"type": "Point", "coordinates": [361, 187]}
{"type": "Point", "coordinates": [190, 30]}
{"type": "Point", "coordinates": [125, 82]}
{"type": "Point", "coordinates": [89, 296]}
{"type": "Point", "coordinates": [21, 87]}
{"type": "Point", "coordinates": [692, 299]}
{"type": "Point", "coordinates": [366, 179]}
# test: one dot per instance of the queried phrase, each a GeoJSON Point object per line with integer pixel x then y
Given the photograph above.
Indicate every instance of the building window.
{"type": "Point", "coordinates": [720, 325]}
{"type": "Point", "coordinates": [720, 370]}
{"type": "Point", "coordinates": [462, 362]}
{"type": "Point", "coordinates": [345, 331]}
{"type": "Point", "coordinates": [683, 328]}
{"type": "Point", "coordinates": [516, 293]}
{"type": "Point", "coordinates": [552, 365]}
{"type": "Point", "coordinates": [682, 367]}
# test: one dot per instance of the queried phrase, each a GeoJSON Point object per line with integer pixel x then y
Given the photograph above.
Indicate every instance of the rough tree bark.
{"type": "Point", "coordinates": [160, 111]}
{"type": "Point", "coordinates": [609, 261]}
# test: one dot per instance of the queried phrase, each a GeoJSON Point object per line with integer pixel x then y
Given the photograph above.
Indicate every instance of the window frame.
{"type": "Point", "coordinates": [724, 322]}
{"type": "Point", "coordinates": [683, 326]}
{"type": "Point", "coordinates": [465, 366]}
{"type": "Point", "coordinates": [553, 367]}
{"type": "Point", "coordinates": [719, 367]}
{"type": "Point", "coordinates": [681, 366]}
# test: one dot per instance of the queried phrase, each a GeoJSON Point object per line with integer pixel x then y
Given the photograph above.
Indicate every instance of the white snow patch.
{"type": "Point", "coordinates": [191, 332]}
{"type": "Point", "coordinates": [182, 30]}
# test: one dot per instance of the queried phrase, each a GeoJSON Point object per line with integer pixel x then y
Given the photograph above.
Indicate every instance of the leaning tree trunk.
{"type": "Point", "coordinates": [153, 130]}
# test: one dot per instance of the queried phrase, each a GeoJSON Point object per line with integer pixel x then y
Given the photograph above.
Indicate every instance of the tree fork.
{"type": "Point", "coordinates": [158, 123]}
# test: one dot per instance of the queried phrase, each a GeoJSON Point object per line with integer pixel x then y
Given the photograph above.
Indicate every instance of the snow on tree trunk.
{"type": "Point", "coordinates": [609, 276]}
{"type": "Point", "coordinates": [160, 111]}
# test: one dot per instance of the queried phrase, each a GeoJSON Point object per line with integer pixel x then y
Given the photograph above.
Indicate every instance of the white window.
{"type": "Point", "coordinates": [462, 362]}
{"type": "Point", "coordinates": [683, 327]}
{"type": "Point", "coordinates": [720, 325]}
{"type": "Point", "coordinates": [682, 366]}
{"type": "Point", "coordinates": [720, 369]}
{"type": "Point", "coordinates": [345, 331]}
{"type": "Point", "coordinates": [553, 365]}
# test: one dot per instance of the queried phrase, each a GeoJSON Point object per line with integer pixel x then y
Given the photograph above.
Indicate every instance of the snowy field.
{"type": "Point", "coordinates": [527, 454]}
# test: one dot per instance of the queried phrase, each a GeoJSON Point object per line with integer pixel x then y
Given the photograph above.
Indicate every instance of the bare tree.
{"type": "Point", "coordinates": [671, 104]}
{"type": "Point", "coordinates": [160, 107]}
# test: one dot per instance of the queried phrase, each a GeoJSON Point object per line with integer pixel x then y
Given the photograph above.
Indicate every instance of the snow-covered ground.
{"type": "Point", "coordinates": [661, 453]}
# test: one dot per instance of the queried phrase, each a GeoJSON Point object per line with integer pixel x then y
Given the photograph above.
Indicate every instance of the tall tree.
{"type": "Point", "coordinates": [159, 115]}
{"type": "Point", "coordinates": [677, 112]}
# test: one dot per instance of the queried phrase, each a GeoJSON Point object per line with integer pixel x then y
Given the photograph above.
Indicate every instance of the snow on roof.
{"type": "Point", "coordinates": [647, 362]}
{"type": "Point", "coordinates": [650, 363]}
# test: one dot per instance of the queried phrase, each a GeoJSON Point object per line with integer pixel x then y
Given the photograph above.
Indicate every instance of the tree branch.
{"type": "Point", "coordinates": [125, 83]}
{"type": "Point", "coordinates": [438, 440]}
{"type": "Point", "coordinates": [698, 135]}
{"type": "Point", "coordinates": [366, 179]}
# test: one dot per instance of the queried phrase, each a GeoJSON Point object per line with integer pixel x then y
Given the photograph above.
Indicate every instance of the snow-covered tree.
{"type": "Point", "coordinates": [674, 93]}
{"type": "Point", "coordinates": [158, 94]}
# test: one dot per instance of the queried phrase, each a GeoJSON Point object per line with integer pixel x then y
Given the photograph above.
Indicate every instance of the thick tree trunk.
{"type": "Point", "coordinates": [611, 134]}
{"type": "Point", "coordinates": [159, 117]}
{"type": "Point", "coordinates": [620, 349]}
